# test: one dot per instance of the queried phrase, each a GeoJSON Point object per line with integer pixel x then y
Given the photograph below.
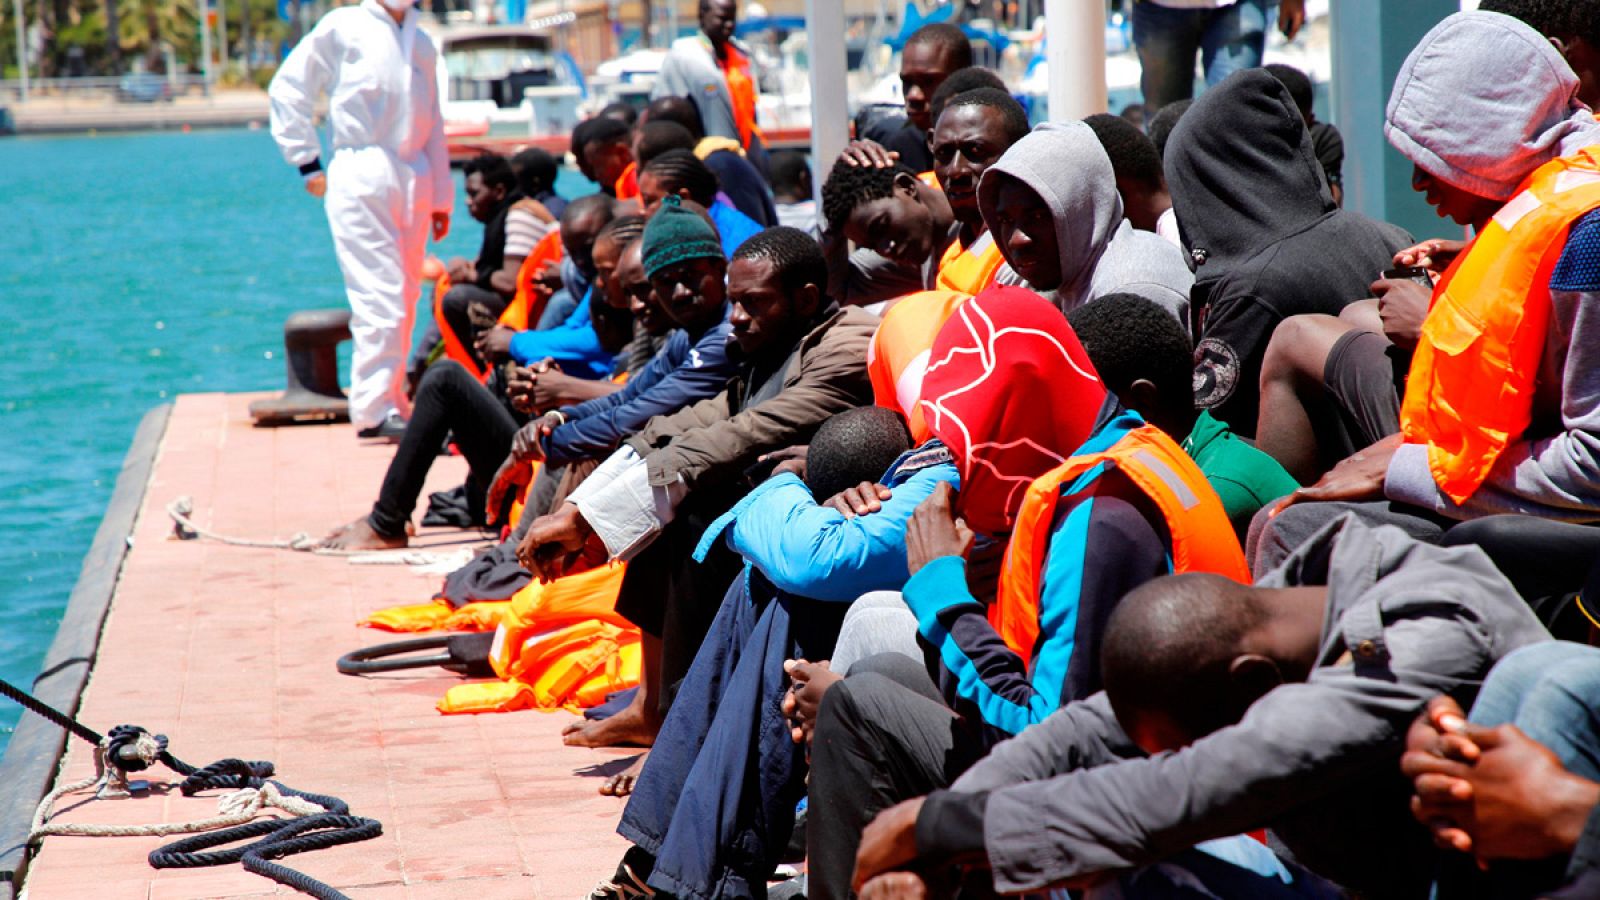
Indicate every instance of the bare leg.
{"type": "Point", "coordinates": [358, 535]}
{"type": "Point", "coordinates": [621, 784]}
{"type": "Point", "coordinates": [1291, 383]}
{"type": "Point", "coordinates": [635, 726]}
{"type": "Point", "coordinates": [1363, 316]}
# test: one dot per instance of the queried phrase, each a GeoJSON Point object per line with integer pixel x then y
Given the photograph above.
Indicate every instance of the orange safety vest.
{"type": "Point", "coordinates": [1202, 538]}
{"type": "Point", "coordinates": [627, 186]}
{"type": "Point", "coordinates": [929, 178]}
{"type": "Point", "coordinates": [742, 90]}
{"type": "Point", "coordinates": [898, 355]}
{"type": "Point", "coordinates": [1471, 386]}
{"type": "Point", "coordinates": [970, 269]}
{"type": "Point", "coordinates": [525, 308]}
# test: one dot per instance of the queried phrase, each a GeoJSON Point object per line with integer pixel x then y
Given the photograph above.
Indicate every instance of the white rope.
{"type": "Point", "coordinates": [235, 808]}
{"type": "Point", "coordinates": [181, 509]}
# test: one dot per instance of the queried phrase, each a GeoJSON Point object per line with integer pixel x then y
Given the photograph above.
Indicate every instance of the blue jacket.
{"type": "Point", "coordinates": [1107, 538]}
{"type": "Point", "coordinates": [573, 344]}
{"type": "Point", "coordinates": [813, 551]}
{"type": "Point", "coordinates": [733, 227]}
{"type": "Point", "coordinates": [684, 371]}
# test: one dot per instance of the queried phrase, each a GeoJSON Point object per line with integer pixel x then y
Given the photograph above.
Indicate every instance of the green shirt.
{"type": "Point", "coordinates": [1245, 478]}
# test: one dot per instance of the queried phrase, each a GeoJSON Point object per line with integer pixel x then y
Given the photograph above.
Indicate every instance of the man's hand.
{"type": "Point", "coordinates": [1434, 255]}
{"type": "Point", "coordinates": [868, 154]}
{"type": "Point", "coordinates": [1402, 305]}
{"type": "Point", "coordinates": [863, 499]}
{"type": "Point", "coordinates": [1514, 801]}
{"type": "Point", "coordinates": [935, 531]}
{"type": "Point", "coordinates": [513, 473]}
{"type": "Point", "coordinates": [461, 271]}
{"type": "Point", "coordinates": [527, 444]}
{"type": "Point", "coordinates": [1355, 479]}
{"type": "Point", "coordinates": [521, 385]}
{"type": "Point", "coordinates": [317, 185]}
{"type": "Point", "coordinates": [808, 682]}
{"type": "Point", "coordinates": [440, 226]}
{"type": "Point", "coordinates": [494, 344]}
{"type": "Point", "coordinates": [1291, 15]}
{"type": "Point", "coordinates": [895, 886]}
{"type": "Point", "coordinates": [888, 842]}
{"type": "Point", "coordinates": [553, 541]}
{"type": "Point", "coordinates": [789, 459]}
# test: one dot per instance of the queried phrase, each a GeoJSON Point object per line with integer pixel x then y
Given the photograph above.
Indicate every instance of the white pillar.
{"type": "Point", "coordinates": [830, 105]}
{"type": "Point", "coordinates": [205, 43]}
{"type": "Point", "coordinates": [1075, 50]}
{"type": "Point", "coordinates": [22, 47]}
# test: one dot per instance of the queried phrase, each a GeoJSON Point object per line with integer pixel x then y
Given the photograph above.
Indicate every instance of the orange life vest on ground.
{"type": "Point", "coordinates": [970, 269]}
{"type": "Point", "coordinates": [1202, 538]}
{"type": "Point", "coordinates": [898, 355]}
{"type": "Point", "coordinates": [1472, 381]}
{"type": "Point", "coordinates": [742, 90]}
{"type": "Point", "coordinates": [559, 645]}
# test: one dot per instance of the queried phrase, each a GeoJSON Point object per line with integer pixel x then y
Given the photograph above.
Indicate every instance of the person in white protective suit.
{"type": "Point", "coordinates": [386, 186]}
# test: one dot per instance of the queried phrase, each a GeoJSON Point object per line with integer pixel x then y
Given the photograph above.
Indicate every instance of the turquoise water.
{"type": "Point", "coordinates": [135, 268]}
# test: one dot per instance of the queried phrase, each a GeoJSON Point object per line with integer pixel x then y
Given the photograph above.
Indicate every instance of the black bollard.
{"type": "Point", "coordinates": [311, 343]}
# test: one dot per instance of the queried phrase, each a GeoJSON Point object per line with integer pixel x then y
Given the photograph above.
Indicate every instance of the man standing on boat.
{"type": "Point", "coordinates": [387, 185]}
{"type": "Point", "coordinates": [714, 71]}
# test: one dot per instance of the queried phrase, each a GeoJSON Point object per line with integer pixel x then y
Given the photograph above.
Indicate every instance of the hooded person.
{"type": "Point", "coordinates": [1257, 217]}
{"type": "Point", "coordinates": [1498, 412]}
{"type": "Point", "coordinates": [1093, 503]}
{"type": "Point", "coordinates": [1051, 203]}
{"type": "Point", "coordinates": [390, 180]}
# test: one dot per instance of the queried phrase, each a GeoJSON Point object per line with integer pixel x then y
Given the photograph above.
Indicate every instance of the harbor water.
{"type": "Point", "coordinates": [136, 268]}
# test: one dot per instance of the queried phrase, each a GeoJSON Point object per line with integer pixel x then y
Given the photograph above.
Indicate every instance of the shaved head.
{"type": "Point", "coordinates": [1169, 656]}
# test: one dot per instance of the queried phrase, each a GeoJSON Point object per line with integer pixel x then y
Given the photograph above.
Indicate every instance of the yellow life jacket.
{"type": "Point", "coordinates": [1202, 537]}
{"type": "Point", "coordinates": [970, 269]}
{"type": "Point", "coordinates": [1472, 381]}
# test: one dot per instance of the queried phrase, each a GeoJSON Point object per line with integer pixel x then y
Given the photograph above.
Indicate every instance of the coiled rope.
{"type": "Point", "coordinates": [183, 507]}
{"type": "Point", "coordinates": [319, 821]}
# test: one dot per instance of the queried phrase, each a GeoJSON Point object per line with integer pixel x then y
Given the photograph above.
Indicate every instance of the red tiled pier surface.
{"type": "Point", "coordinates": [230, 652]}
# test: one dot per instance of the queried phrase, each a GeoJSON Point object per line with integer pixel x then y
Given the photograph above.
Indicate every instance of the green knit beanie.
{"type": "Point", "coordinates": [675, 234]}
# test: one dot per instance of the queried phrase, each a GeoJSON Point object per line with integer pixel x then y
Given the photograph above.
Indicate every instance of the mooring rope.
{"type": "Point", "coordinates": [317, 821]}
{"type": "Point", "coordinates": [183, 507]}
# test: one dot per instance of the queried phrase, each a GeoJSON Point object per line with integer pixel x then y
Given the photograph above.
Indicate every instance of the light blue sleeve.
{"type": "Point", "coordinates": [814, 551]}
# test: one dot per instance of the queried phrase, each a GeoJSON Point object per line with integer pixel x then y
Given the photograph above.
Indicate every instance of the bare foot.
{"type": "Point", "coordinates": [629, 728]}
{"type": "Point", "coordinates": [358, 535]}
{"type": "Point", "coordinates": [621, 784]}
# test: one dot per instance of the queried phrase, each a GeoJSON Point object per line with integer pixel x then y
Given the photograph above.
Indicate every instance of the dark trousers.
{"type": "Point", "coordinates": [672, 597]}
{"type": "Point", "coordinates": [456, 303]}
{"type": "Point", "coordinates": [715, 803]}
{"type": "Point", "coordinates": [1548, 562]}
{"type": "Point", "coordinates": [449, 402]}
{"type": "Point", "coordinates": [882, 736]}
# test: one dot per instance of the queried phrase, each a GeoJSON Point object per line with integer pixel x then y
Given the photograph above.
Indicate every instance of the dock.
{"type": "Point", "coordinates": [230, 652]}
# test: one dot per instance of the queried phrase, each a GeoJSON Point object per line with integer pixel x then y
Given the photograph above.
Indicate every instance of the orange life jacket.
{"type": "Point", "coordinates": [1470, 391]}
{"type": "Point", "coordinates": [970, 269]}
{"type": "Point", "coordinates": [1202, 538]}
{"type": "Point", "coordinates": [526, 306]}
{"type": "Point", "coordinates": [898, 355]}
{"type": "Point", "coordinates": [434, 270]}
{"type": "Point", "coordinates": [627, 186]}
{"type": "Point", "coordinates": [735, 68]}
{"type": "Point", "coordinates": [929, 178]}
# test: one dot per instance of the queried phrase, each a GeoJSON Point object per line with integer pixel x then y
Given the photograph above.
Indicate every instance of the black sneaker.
{"type": "Point", "coordinates": [390, 429]}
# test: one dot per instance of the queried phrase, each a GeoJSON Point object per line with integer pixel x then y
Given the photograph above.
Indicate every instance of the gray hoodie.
{"type": "Point", "coordinates": [1318, 762]}
{"type": "Point", "coordinates": [1101, 253]}
{"type": "Point", "coordinates": [1481, 102]}
{"type": "Point", "coordinates": [1484, 100]}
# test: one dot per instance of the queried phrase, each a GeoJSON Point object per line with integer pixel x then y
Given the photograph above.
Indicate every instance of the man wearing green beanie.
{"type": "Point", "coordinates": [676, 233]}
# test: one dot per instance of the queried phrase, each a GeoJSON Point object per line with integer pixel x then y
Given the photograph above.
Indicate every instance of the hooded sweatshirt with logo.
{"type": "Point", "coordinates": [1101, 253]}
{"type": "Point", "coordinates": [1251, 197]}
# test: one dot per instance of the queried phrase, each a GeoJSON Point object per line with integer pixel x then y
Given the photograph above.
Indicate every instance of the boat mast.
{"type": "Point", "coordinates": [22, 47]}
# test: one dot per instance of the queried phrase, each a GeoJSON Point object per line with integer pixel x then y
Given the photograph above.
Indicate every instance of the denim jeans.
{"type": "Point", "coordinates": [1552, 692]}
{"type": "Point", "coordinates": [1228, 39]}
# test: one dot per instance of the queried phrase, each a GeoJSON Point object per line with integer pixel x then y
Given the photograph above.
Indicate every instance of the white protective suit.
{"type": "Point", "coordinates": [389, 173]}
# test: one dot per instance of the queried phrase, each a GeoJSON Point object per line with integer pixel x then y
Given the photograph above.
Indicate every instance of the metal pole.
{"type": "Point", "coordinates": [22, 47]}
{"type": "Point", "coordinates": [222, 33]}
{"type": "Point", "coordinates": [1075, 51]}
{"type": "Point", "coordinates": [205, 43]}
{"type": "Point", "coordinates": [825, 45]}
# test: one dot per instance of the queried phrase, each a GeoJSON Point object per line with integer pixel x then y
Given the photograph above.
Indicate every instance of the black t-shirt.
{"type": "Point", "coordinates": [739, 179]}
{"type": "Point", "coordinates": [898, 134]}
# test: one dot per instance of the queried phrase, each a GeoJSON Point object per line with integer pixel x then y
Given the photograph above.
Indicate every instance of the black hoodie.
{"type": "Point", "coordinates": [1250, 194]}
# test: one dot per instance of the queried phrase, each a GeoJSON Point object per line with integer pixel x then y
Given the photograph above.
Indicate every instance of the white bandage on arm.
{"type": "Point", "coordinates": [622, 507]}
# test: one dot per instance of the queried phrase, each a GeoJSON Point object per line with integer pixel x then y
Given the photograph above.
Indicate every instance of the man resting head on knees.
{"type": "Point", "coordinates": [1051, 203]}
{"type": "Point", "coordinates": [854, 447]}
{"type": "Point", "coordinates": [1229, 708]}
{"type": "Point", "coordinates": [1144, 357]}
